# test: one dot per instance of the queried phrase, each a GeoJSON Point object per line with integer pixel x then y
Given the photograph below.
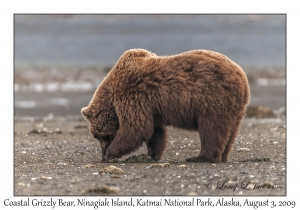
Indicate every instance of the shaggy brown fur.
{"type": "Point", "coordinates": [197, 90]}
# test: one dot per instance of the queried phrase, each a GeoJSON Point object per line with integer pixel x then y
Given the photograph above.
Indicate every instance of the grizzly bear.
{"type": "Point", "coordinates": [143, 93]}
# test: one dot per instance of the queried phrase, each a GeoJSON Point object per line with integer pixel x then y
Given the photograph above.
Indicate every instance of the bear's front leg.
{"type": "Point", "coordinates": [111, 153]}
{"type": "Point", "coordinates": [127, 140]}
{"type": "Point", "coordinates": [136, 125]}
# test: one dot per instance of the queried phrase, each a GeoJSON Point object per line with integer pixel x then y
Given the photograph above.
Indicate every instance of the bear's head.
{"type": "Point", "coordinates": [104, 125]}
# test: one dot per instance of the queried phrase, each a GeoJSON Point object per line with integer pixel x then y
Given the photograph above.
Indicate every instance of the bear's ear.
{"type": "Point", "coordinates": [85, 111]}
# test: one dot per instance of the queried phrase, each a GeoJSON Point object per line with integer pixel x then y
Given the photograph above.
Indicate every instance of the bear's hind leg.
{"type": "Point", "coordinates": [233, 134]}
{"type": "Point", "coordinates": [157, 143]}
{"type": "Point", "coordinates": [213, 137]}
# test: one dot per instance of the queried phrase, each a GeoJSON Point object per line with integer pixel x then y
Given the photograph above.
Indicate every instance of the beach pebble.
{"type": "Point", "coordinates": [192, 193]}
{"type": "Point", "coordinates": [22, 184]}
{"type": "Point", "coordinates": [89, 166]}
{"type": "Point", "coordinates": [182, 166]}
{"type": "Point", "coordinates": [160, 165]}
{"type": "Point", "coordinates": [102, 190]}
{"type": "Point", "coordinates": [243, 149]}
{"type": "Point", "coordinates": [111, 170]}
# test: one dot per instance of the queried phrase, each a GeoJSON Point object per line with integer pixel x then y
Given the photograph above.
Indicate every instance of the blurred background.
{"type": "Point", "coordinates": [61, 59]}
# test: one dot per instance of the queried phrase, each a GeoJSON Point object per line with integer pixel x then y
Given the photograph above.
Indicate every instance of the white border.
{"type": "Point", "coordinates": [8, 9]}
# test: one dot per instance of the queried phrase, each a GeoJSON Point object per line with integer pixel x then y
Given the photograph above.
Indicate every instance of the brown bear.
{"type": "Point", "coordinates": [143, 93]}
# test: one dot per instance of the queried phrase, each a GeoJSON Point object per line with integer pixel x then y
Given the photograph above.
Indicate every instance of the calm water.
{"type": "Point", "coordinates": [250, 40]}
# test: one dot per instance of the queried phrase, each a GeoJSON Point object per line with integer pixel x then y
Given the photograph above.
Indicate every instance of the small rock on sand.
{"type": "Point", "coordinates": [102, 190]}
{"type": "Point", "coordinates": [89, 166]}
{"type": "Point", "coordinates": [182, 166]}
{"type": "Point", "coordinates": [192, 194]}
{"type": "Point", "coordinates": [111, 170]}
{"type": "Point", "coordinates": [42, 177]}
{"type": "Point", "coordinates": [243, 149]}
{"type": "Point", "coordinates": [160, 165]}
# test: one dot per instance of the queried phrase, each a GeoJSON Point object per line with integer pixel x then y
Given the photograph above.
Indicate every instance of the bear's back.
{"type": "Point", "coordinates": [196, 81]}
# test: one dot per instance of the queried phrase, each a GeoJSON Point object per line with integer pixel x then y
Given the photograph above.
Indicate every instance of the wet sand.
{"type": "Point", "coordinates": [65, 160]}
